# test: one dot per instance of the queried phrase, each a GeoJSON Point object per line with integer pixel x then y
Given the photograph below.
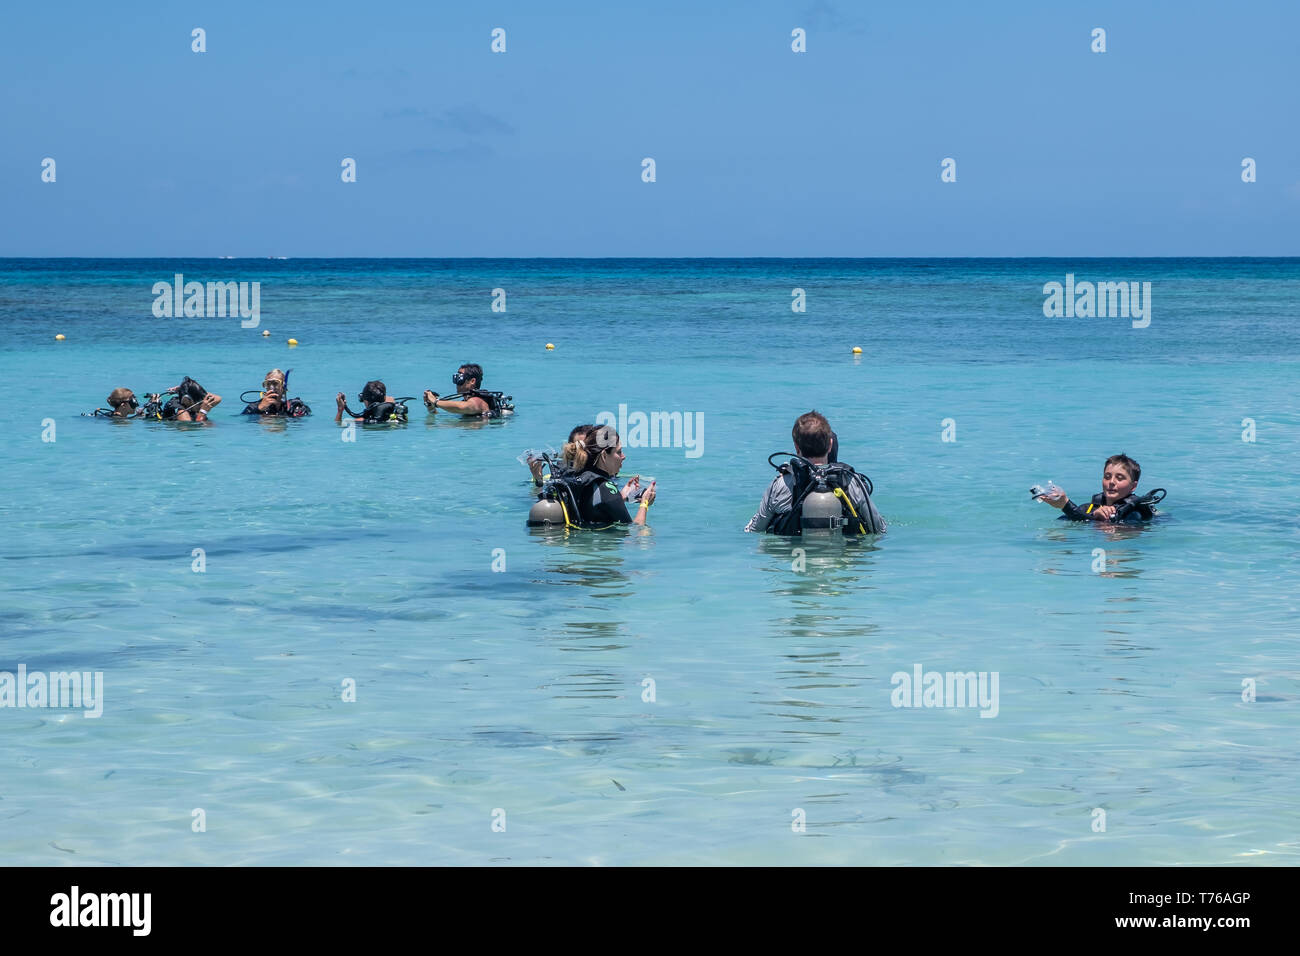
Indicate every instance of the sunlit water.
{"type": "Point", "coordinates": [524, 690]}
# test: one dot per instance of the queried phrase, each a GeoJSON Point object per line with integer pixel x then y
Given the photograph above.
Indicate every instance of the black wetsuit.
{"type": "Point", "coordinates": [1131, 509]}
{"type": "Point", "coordinates": [294, 408]}
{"type": "Point", "coordinates": [600, 505]}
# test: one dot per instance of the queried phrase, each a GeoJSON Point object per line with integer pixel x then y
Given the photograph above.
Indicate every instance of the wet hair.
{"type": "Point", "coordinates": [1128, 464]}
{"type": "Point", "coordinates": [812, 435]}
{"type": "Point", "coordinates": [577, 450]}
{"type": "Point", "coordinates": [574, 447]}
{"type": "Point", "coordinates": [375, 391]}
{"type": "Point", "coordinates": [119, 396]}
{"type": "Point", "coordinates": [190, 392]}
{"type": "Point", "coordinates": [586, 443]}
{"type": "Point", "coordinates": [473, 371]}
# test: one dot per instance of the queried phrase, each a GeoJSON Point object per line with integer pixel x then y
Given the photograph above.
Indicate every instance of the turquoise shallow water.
{"type": "Point", "coordinates": [522, 690]}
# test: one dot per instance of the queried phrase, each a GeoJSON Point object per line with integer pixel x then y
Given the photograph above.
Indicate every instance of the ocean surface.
{"type": "Point", "coordinates": [684, 695]}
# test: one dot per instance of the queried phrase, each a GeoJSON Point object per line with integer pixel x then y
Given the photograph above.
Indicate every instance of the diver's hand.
{"type": "Point", "coordinates": [209, 402]}
{"type": "Point", "coordinates": [535, 466]}
{"type": "Point", "coordinates": [1057, 500]}
{"type": "Point", "coordinates": [431, 399]}
{"type": "Point", "coordinates": [340, 400]}
{"type": "Point", "coordinates": [630, 488]}
{"type": "Point", "coordinates": [649, 496]}
{"type": "Point", "coordinates": [1105, 512]}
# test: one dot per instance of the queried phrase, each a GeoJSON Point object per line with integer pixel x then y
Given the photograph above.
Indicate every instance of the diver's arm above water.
{"type": "Point", "coordinates": [342, 404]}
{"type": "Point", "coordinates": [1075, 512]}
{"type": "Point", "coordinates": [1087, 512]}
{"type": "Point", "coordinates": [473, 406]}
{"type": "Point", "coordinates": [643, 509]}
{"type": "Point", "coordinates": [767, 507]}
{"type": "Point", "coordinates": [199, 412]}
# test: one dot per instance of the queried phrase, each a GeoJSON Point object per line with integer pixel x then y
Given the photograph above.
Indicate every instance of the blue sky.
{"type": "Point", "coordinates": [759, 151]}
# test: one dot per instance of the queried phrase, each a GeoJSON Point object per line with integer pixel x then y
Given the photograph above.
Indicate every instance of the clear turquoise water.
{"type": "Point", "coordinates": [522, 690]}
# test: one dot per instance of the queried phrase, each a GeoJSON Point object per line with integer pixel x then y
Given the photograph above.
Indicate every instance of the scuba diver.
{"type": "Point", "coordinates": [190, 402]}
{"type": "Point", "coordinates": [814, 492]}
{"type": "Point", "coordinates": [585, 496]}
{"type": "Point", "coordinates": [1116, 500]}
{"type": "Point", "coordinates": [378, 407]}
{"type": "Point", "coordinates": [122, 403]}
{"type": "Point", "coordinates": [273, 400]}
{"type": "Point", "coordinates": [470, 401]}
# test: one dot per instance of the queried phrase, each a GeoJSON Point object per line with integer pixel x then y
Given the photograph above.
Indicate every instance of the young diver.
{"type": "Point", "coordinates": [814, 469]}
{"type": "Point", "coordinates": [587, 493]}
{"type": "Point", "coordinates": [1116, 500]}
{"type": "Point", "coordinates": [472, 402]}
{"type": "Point", "coordinates": [378, 406]}
{"type": "Point", "coordinates": [272, 400]}
{"type": "Point", "coordinates": [190, 402]}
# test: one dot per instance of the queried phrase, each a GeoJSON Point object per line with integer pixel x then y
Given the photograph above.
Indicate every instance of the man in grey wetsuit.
{"type": "Point", "coordinates": [814, 441]}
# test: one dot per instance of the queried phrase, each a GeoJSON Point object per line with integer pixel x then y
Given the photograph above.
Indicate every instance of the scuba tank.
{"type": "Point", "coordinates": [557, 503]}
{"type": "Point", "coordinates": [821, 504]}
{"type": "Point", "coordinates": [546, 511]}
{"type": "Point", "coordinates": [822, 512]}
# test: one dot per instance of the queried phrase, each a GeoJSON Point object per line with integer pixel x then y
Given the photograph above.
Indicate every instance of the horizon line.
{"type": "Point", "coordinates": [633, 258]}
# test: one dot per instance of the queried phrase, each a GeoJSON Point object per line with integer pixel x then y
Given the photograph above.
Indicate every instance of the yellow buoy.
{"type": "Point", "coordinates": [266, 333]}
{"type": "Point", "coordinates": [293, 341]}
{"type": "Point", "coordinates": [59, 337]}
{"type": "Point", "coordinates": [549, 346]}
{"type": "Point", "coordinates": [857, 350]}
